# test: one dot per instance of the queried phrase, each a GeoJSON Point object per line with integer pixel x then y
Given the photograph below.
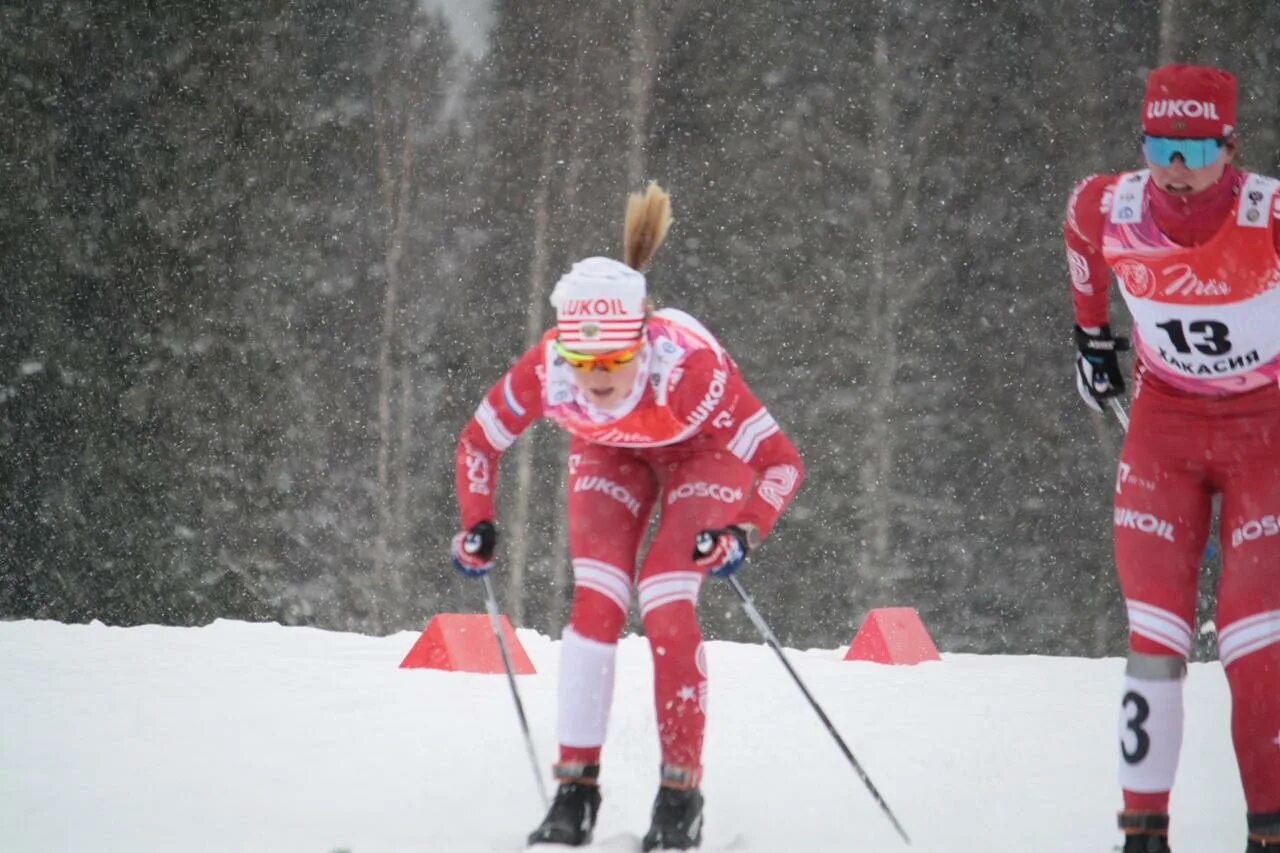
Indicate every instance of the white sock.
{"type": "Point", "coordinates": [1151, 723]}
{"type": "Point", "coordinates": [586, 689]}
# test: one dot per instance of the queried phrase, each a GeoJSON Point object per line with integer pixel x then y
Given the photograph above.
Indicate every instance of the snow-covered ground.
{"type": "Point", "coordinates": [251, 737]}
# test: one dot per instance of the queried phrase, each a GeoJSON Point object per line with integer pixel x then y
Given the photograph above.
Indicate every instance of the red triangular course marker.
{"type": "Point", "coordinates": [893, 635]}
{"type": "Point", "coordinates": [464, 642]}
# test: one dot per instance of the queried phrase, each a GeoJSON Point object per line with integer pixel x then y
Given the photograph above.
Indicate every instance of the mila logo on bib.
{"type": "Point", "coordinates": [1182, 281]}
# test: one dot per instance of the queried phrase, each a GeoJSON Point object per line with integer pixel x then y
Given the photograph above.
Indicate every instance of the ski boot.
{"type": "Point", "coordinates": [1264, 833]}
{"type": "Point", "coordinates": [1145, 832]}
{"type": "Point", "coordinates": [677, 812]}
{"type": "Point", "coordinates": [572, 816]}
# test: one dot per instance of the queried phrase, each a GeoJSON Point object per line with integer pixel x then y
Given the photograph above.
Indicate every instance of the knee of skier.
{"type": "Point", "coordinates": [672, 625]}
{"type": "Point", "coordinates": [596, 616]}
{"type": "Point", "coordinates": [1247, 635]}
{"type": "Point", "coordinates": [1161, 631]}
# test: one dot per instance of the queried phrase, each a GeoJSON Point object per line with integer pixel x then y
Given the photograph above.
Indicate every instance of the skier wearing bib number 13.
{"type": "Point", "coordinates": [1194, 244]}
{"type": "Point", "coordinates": [659, 416]}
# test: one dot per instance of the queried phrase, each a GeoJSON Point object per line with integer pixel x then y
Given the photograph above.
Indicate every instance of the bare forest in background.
{"type": "Point", "coordinates": [261, 260]}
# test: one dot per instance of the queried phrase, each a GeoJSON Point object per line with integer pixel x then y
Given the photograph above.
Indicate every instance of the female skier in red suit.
{"type": "Point", "coordinates": [1194, 243]}
{"type": "Point", "coordinates": [660, 419]}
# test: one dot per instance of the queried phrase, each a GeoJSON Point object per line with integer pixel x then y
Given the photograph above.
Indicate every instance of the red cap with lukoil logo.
{"type": "Point", "coordinates": [1189, 102]}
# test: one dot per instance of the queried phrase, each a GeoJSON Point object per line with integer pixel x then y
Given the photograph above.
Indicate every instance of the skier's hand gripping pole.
{"type": "Point", "coordinates": [772, 641]}
{"type": "Point", "coordinates": [1098, 374]}
{"type": "Point", "coordinates": [472, 550]}
{"type": "Point", "coordinates": [495, 620]}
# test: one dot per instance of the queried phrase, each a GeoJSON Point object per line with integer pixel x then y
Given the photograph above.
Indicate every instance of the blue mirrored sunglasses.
{"type": "Point", "coordinates": [1195, 153]}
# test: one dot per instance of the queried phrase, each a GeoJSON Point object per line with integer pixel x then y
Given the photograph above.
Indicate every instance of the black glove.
{"type": "Point", "coordinates": [1098, 374]}
{"type": "Point", "coordinates": [472, 550]}
{"type": "Point", "coordinates": [721, 551]}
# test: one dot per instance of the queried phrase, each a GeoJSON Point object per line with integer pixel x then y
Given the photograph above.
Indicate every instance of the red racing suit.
{"type": "Point", "coordinates": [690, 438]}
{"type": "Point", "coordinates": [1201, 277]}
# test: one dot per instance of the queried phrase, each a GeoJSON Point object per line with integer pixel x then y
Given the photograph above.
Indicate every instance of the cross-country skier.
{"type": "Point", "coordinates": [660, 417]}
{"type": "Point", "coordinates": [1194, 244]}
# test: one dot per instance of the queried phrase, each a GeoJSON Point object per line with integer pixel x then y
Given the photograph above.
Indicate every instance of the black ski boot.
{"type": "Point", "coordinates": [677, 813]}
{"type": "Point", "coordinates": [1264, 833]}
{"type": "Point", "coordinates": [1145, 832]}
{"type": "Point", "coordinates": [572, 816]}
{"type": "Point", "coordinates": [1146, 844]}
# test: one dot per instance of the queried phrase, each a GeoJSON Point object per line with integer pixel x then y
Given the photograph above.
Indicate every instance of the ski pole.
{"type": "Point", "coordinates": [491, 604]}
{"type": "Point", "coordinates": [772, 642]}
{"type": "Point", "coordinates": [1121, 415]}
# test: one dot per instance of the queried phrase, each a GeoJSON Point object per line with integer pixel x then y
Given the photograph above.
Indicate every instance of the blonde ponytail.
{"type": "Point", "coordinates": [648, 218]}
